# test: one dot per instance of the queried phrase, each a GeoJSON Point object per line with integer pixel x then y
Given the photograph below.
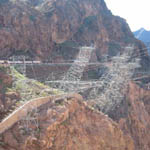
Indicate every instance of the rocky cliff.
{"type": "Point", "coordinates": [65, 123]}
{"type": "Point", "coordinates": [52, 29]}
{"type": "Point", "coordinates": [133, 116]}
{"type": "Point", "coordinates": [69, 123]}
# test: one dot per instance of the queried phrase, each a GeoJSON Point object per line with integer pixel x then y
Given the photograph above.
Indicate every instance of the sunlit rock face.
{"type": "Point", "coordinates": [67, 124]}
{"type": "Point", "coordinates": [51, 29]}
{"type": "Point", "coordinates": [71, 123]}
{"type": "Point", "coordinates": [133, 116]}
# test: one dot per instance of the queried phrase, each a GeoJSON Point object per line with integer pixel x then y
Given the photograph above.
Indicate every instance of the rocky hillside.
{"type": "Point", "coordinates": [144, 36]}
{"type": "Point", "coordinates": [51, 29]}
{"type": "Point", "coordinates": [16, 89]}
{"type": "Point", "coordinates": [133, 116]}
{"type": "Point", "coordinates": [69, 123]}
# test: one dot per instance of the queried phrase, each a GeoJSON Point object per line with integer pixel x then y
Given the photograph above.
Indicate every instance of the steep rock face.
{"type": "Point", "coordinates": [70, 123]}
{"type": "Point", "coordinates": [134, 116]}
{"type": "Point", "coordinates": [138, 120]}
{"type": "Point", "coordinates": [66, 124]}
{"type": "Point", "coordinates": [50, 29]}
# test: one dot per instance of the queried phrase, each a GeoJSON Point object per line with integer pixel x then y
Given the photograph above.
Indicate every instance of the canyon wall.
{"type": "Point", "coordinates": [52, 30]}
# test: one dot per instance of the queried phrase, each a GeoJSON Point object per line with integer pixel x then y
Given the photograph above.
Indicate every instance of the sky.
{"type": "Point", "coordinates": [136, 12]}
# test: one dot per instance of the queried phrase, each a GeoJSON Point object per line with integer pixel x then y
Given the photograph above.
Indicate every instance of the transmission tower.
{"type": "Point", "coordinates": [75, 72]}
{"type": "Point", "coordinates": [108, 94]}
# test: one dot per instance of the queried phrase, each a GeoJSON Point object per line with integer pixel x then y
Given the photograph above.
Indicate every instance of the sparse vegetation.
{"type": "Point", "coordinates": [29, 88]}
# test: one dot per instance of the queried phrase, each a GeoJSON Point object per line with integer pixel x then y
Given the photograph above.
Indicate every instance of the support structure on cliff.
{"type": "Point", "coordinates": [75, 72]}
{"type": "Point", "coordinates": [113, 84]}
{"type": "Point", "coordinates": [107, 91]}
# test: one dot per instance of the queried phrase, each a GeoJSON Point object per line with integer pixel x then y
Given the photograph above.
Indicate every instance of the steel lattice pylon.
{"type": "Point", "coordinates": [106, 92]}
{"type": "Point", "coordinates": [75, 72]}
{"type": "Point", "coordinates": [109, 93]}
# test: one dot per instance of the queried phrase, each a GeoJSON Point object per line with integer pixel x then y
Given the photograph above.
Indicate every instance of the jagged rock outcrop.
{"type": "Point", "coordinates": [138, 121]}
{"type": "Point", "coordinates": [50, 29]}
{"type": "Point", "coordinates": [66, 123]}
{"type": "Point", "coordinates": [133, 116]}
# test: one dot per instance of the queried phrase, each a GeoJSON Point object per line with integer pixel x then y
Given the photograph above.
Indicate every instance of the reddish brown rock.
{"type": "Point", "coordinates": [138, 120]}
{"type": "Point", "coordinates": [51, 29]}
{"type": "Point", "coordinates": [134, 117]}
{"type": "Point", "coordinates": [48, 32]}
{"type": "Point", "coordinates": [69, 125]}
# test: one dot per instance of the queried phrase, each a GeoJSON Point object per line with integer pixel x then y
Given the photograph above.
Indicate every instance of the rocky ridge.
{"type": "Point", "coordinates": [49, 29]}
{"type": "Point", "coordinates": [68, 123]}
